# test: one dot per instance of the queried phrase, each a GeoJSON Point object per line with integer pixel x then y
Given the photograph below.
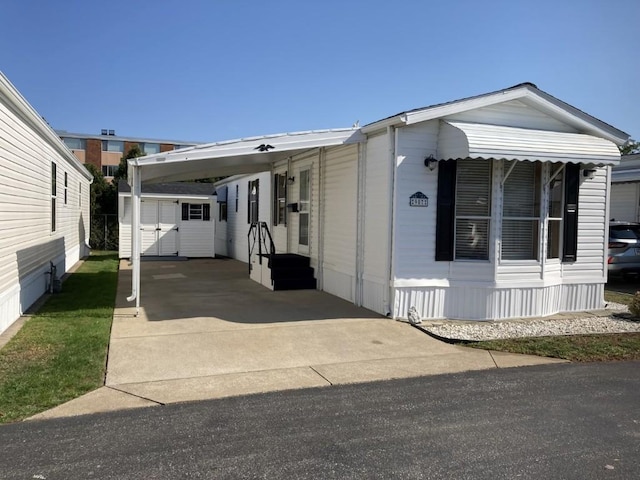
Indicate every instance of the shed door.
{"type": "Point", "coordinates": [158, 225]}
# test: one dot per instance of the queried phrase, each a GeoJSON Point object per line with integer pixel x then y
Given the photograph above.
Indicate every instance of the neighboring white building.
{"type": "Point", "coordinates": [488, 207]}
{"type": "Point", "coordinates": [176, 219]}
{"type": "Point", "coordinates": [625, 190]}
{"type": "Point", "coordinates": [44, 205]}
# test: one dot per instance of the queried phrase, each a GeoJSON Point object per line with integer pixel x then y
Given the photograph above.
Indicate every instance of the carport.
{"type": "Point", "coordinates": [248, 155]}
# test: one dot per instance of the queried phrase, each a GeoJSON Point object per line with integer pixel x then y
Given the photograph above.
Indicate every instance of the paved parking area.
{"type": "Point", "coordinates": [206, 330]}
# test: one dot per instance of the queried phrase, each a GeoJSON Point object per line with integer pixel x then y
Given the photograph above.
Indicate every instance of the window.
{"type": "Point", "coordinates": [150, 148]}
{"type": "Point", "coordinates": [554, 220]}
{"type": "Point", "coordinates": [237, 195]}
{"type": "Point", "coordinates": [304, 208]}
{"type": "Point", "coordinates": [112, 146]}
{"type": "Point", "coordinates": [280, 199]}
{"type": "Point", "coordinates": [463, 213]}
{"type": "Point", "coordinates": [80, 194]}
{"type": "Point", "coordinates": [472, 209]}
{"type": "Point", "coordinates": [54, 189]}
{"type": "Point", "coordinates": [109, 170]}
{"type": "Point", "coordinates": [222, 211]}
{"type": "Point", "coordinates": [252, 201]}
{"type": "Point", "coordinates": [75, 143]}
{"type": "Point", "coordinates": [196, 211]}
{"type": "Point", "coordinates": [66, 186]}
{"type": "Point", "coordinates": [521, 210]}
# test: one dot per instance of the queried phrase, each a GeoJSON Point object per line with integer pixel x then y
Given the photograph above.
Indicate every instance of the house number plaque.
{"type": "Point", "coordinates": [418, 199]}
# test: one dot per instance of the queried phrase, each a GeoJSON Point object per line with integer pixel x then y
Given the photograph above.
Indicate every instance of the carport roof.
{"type": "Point", "coordinates": [246, 155]}
{"type": "Point", "coordinates": [172, 188]}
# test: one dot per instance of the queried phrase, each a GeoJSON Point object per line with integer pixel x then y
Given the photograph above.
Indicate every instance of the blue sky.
{"type": "Point", "coordinates": [221, 69]}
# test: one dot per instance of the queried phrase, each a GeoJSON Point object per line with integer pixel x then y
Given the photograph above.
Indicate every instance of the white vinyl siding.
{"type": "Point", "coordinates": [624, 202]}
{"type": "Point", "coordinates": [340, 203]}
{"type": "Point", "coordinates": [27, 243]}
{"type": "Point", "coordinates": [377, 206]}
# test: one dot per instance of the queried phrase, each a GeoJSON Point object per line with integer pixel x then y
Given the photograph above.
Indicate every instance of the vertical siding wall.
{"type": "Point", "coordinates": [339, 228]}
{"type": "Point", "coordinates": [27, 244]}
{"type": "Point", "coordinates": [377, 223]}
{"type": "Point", "coordinates": [624, 202]}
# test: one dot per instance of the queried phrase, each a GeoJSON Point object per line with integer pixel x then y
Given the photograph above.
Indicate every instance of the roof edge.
{"type": "Point", "coordinates": [29, 114]}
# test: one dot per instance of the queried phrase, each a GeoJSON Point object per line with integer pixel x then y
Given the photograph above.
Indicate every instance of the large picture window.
{"type": "Point", "coordinates": [473, 209]}
{"type": "Point", "coordinates": [521, 211]}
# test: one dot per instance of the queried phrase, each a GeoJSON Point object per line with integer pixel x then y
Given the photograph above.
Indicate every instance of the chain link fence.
{"type": "Point", "coordinates": [104, 232]}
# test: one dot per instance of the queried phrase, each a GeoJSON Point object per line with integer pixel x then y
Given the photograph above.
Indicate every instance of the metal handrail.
{"type": "Point", "coordinates": [259, 232]}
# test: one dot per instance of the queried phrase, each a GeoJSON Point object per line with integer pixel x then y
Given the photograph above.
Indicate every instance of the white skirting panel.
{"type": "Point", "coordinates": [373, 296]}
{"type": "Point", "coordinates": [15, 301]}
{"type": "Point", "coordinates": [338, 284]}
{"type": "Point", "coordinates": [492, 303]}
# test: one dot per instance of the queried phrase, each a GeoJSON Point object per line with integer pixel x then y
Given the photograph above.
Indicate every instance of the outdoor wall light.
{"type": "Point", "coordinates": [589, 172]}
{"type": "Point", "coordinates": [290, 180]}
{"type": "Point", "coordinates": [431, 163]}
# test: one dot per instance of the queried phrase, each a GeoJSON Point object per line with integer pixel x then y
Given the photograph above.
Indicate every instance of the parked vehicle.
{"type": "Point", "coordinates": [624, 248]}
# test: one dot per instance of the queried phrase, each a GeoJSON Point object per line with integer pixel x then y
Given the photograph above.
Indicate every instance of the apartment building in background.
{"type": "Point", "coordinates": [107, 149]}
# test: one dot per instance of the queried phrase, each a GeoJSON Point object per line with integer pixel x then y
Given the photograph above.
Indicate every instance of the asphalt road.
{"type": "Point", "coordinates": [568, 421]}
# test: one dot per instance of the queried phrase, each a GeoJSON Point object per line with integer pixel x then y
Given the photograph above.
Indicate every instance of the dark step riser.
{"type": "Point", "coordinates": [295, 284]}
{"type": "Point", "coordinates": [285, 273]}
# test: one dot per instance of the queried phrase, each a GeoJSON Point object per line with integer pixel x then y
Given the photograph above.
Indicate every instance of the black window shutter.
{"type": "Point", "coordinates": [185, 211]}
{"type": "Point", "coordinates": [445, 210]}
{"type": "Point", "coordinates": [206, 212]}
{"type": "Point", "coordinates": [570, 219]}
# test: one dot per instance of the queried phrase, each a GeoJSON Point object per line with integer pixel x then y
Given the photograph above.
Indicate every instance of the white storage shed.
{"type": "Point", "coordinates": [44, 205]}
{"type": "Point", "coordinates": [625, 190]}
{"type": "Point", "coordinates": [489, 207]}
{"type": "Point", "coordinates": [176, 219]}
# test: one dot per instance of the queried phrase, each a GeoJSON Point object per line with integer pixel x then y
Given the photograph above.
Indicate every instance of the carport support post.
{"type": "Point", "coordinates": [136, 187]}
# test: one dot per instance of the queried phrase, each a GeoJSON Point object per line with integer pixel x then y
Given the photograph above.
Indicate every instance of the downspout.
{"type": "Point", "coordinates": [392, 137]}
{"type": "Point", "coordinates": [360, 219]}
{"type": "Point", "coordinates": [321, 216]}
{"type": "Point", "coordinates": [136, 185]}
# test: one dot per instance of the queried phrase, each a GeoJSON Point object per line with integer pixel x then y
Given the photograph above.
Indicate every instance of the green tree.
{"type": "Point", "coordinates": [122, 171]}
{"type": "Point", "coordinates": [630, 147]}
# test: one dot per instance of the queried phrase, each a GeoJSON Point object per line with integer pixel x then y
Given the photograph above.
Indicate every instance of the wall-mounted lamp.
{"type": "Point", "coordinates": [290, 180]}
{"type": "Point", "coordinates": [589, 172]}
{"type": "Point", "coordinates": [431, 163]}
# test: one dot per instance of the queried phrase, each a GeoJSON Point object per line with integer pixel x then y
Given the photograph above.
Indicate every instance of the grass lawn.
{"type": "Point", "coordinates": [576, 348]}
{"type": "Point", "coordinates": [60, 353]}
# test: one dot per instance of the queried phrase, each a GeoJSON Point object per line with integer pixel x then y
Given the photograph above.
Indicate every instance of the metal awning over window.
{"type": "Point", "coordinates": [475, 140]}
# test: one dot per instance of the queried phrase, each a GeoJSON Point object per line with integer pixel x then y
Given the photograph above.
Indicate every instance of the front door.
{"type": "Point", "coordinates": [304, 213]}
{"type": "Point", "coordinates": [158, 225]}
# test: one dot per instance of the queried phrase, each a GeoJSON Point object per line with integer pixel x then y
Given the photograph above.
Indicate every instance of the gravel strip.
{"type": "Point", "coordinates": [617, 321]}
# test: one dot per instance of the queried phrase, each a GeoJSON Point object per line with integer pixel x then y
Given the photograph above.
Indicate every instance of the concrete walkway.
{"type": "Point", "coordinates": [207, 331]}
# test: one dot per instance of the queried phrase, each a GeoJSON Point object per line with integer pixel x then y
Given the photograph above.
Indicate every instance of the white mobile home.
{"type": "Point", "coordinates": [175, 220]}
{"type": "Point", "coordinates": [625, 190]}
{"type": "Point", "coordinates": [488, 207]}
{"type": "Point", "coordinates": [44, 205]}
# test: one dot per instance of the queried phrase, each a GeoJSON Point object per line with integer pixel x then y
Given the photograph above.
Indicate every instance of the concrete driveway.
{"type": "Point", "coordinates": [206, 330]}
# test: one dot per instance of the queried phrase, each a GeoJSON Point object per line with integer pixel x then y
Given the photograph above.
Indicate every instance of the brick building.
{"type": "Point", "coordinates": [107, 149]}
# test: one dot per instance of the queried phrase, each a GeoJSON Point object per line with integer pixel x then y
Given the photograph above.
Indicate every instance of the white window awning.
{"type": "Point", "coordinates": [475, 140]}
{"type": "Point", "coordinates": [247, 155]}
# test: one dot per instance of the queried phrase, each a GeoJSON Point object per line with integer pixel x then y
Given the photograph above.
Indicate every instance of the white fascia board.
{"type": "Point", "coordinates": [431, 113]}
{"type": "Point", "coordinates": [26, 112]}
{"type": "Point", "coordinates": [533, 97]}
{"type": "Point", "coordinates": [573, 116]}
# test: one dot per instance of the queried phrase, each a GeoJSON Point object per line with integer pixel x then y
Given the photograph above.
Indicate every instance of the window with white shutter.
{"type": "Point", "coordinates": [521, 211]}
{"type": "Point", "coordinates": [473, 209]}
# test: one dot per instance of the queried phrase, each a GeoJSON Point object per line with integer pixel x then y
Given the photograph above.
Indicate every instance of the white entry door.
{"type": "Point", "coordinates": [158, 224]}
